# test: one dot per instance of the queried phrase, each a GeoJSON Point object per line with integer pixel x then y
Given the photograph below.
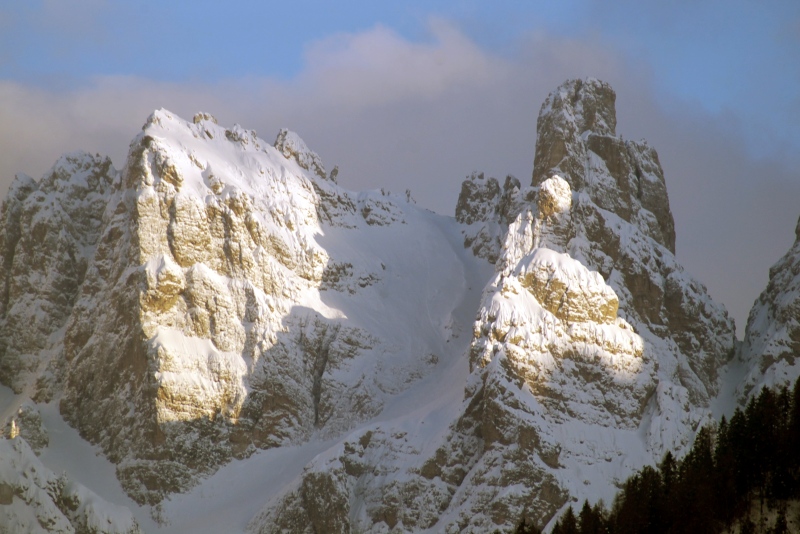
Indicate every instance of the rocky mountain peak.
{"type": "Point", "coordinates": [187, 311]}
{"type": "Point", "coordinates": [588, 296]}
{"type": "Point", "coordinates": [772, 336]}
{"type": "Point", "coordinates": [589, 105]}
{"type": "Point", "coordinates": [292, 146]}
{"type": "Point", "coordinates": [570, 114]}
{"type": "Point", "coordinates": [576, 138]}
{"type": "Point", "coordinates": [221, 297]}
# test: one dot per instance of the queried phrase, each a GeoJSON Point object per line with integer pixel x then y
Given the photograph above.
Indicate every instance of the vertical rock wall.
{"type": "Point", "coordinates": [48, 234]}
{"type": "Point", "coordinates": [593, 351]}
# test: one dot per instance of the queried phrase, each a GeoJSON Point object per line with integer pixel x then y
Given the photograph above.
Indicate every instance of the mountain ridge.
{"type": "Point", "coordinates": [227, 297]}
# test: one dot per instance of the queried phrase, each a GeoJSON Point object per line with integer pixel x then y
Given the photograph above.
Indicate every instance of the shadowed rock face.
{"type": "Point", "coordinates": [576, 139]}
{"type": "Point", "coordinates": [196, 309]}
{"type": "Point", "coordinates": [575, 108]}
{"type": "Point", "coordinates": [588, 326]}
{"type": "Point", "coordinates": [772, 338]}
{"type": "Point", "coordinates": [175, 310]}
{"type": "Point", "coordinates": [48, 234]}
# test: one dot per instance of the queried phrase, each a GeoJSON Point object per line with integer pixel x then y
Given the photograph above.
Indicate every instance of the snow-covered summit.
{"type": "Point", "coordinates": [592, 352]}
{"type": "Point", "coordinates": [589, 308]}
{"type": "Point", "coordinates": [222, 310]}
{"type": "Point", "coordinates": [219, 296]}
{"type": "Point", "coordinates": [290, 145]}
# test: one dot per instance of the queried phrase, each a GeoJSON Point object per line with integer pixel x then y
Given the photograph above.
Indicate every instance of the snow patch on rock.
{"type": "Point", "coordinates": [771, 346]}
{"type": "Point", "coordinates": [34, 499]}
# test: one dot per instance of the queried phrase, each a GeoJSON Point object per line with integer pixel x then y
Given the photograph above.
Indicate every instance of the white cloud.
{"type": "Point", "coordinates": [378, 66]}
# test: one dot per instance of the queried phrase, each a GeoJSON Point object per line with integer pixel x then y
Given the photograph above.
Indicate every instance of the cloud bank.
{"type": "Point", "coordinates": [402, 114]}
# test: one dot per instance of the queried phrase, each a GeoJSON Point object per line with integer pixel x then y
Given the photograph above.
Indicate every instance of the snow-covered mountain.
{"type": "Point", "coordinates": [772, 338]}
{"type": "Point", "coordinates": [243, 345]}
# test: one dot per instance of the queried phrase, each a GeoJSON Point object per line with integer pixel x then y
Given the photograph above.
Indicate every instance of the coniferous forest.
{"type": "Point", "coordinates": [751, 460]}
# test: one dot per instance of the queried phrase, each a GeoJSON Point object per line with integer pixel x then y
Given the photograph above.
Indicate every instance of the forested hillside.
{"type": "Point", "coordinates": [740, 476]}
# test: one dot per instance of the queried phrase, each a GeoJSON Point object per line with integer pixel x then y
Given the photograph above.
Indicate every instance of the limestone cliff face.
{"type": "Point", "coordinates": [592, 351]}
{"type": "Point", "coordinates": [48, 234]}
{"type": "Point", "coordinates": [617, 223]}
{"type": "Point", "coordinates": [184, 312]}
{"type": "Point", "coordinates": [190, 330]}
{"type": "Point", "coordinates": [772, 338]}
{"type": "Point", "coordinates": [222, 295]}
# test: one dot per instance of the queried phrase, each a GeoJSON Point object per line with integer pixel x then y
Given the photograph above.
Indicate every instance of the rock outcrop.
{"type": "Point", "coordinates": [770, 351]}
{"type": "Point", "coordinates": [47, 237]}
{"type": "Point", "coordinates": [181, 306]}
{"type": "Point", "coordinates": [34, 499]}
{"type": "Point", "coordinates": [27, 423]}
{"type": "Point", "coordinates": [221, 295]}
{"type": "Point", "coordinates": [593, 351]}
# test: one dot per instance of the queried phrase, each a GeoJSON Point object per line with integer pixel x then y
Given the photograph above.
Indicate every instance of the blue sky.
{"type": "Point", "coordinates": [418, 94]}
{"type": "Point", "coordinates": [720, 54]}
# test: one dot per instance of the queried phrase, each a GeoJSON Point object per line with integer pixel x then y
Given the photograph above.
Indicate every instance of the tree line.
{"type": "Point", "coordinates": [751, 460]}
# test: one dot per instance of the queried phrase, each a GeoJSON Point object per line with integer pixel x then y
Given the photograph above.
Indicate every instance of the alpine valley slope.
{"type": "Point", "coordinates": [256, 348]}
{"type": "Point", "coordinates": [771, 347]}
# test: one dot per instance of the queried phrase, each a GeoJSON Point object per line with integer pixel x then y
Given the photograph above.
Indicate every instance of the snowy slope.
{"type": "Point", "coordinates": [593, 351]}
{"type": "Point", "coordinates": [768, 355]}
{"type": "Point", "coordinates": [267, 306]}
{"type": "Point", "coordinates": [33, 498]}
{"type": "Point", "coordinates": [246, 346]}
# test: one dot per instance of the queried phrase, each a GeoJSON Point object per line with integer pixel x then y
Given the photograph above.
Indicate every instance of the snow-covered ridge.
{"type": "Point", "coordinates": [769, 352]}
{"type": "Point", "coordinates": [34, 499]}
{"type": "Point", "coordinates": [257, 348]}
{"type": "Point", "coordinates": [593, 351]}
{"type": "Point", "coordinates": [232, 298]}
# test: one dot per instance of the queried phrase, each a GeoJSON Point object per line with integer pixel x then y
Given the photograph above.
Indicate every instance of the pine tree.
{"type": "Point", "coordinates": [590, 520]}
{"type": "Point", "coordinates": [526, 527]}
{"type": "Point", "coordinates": [761, 419]}
{"type": "Point", "coordinates": [693, 507]}
{"type": "Point", "coordinates": [668, 469]}
{"type": "Point", "coordinates": [567, 524]}
{"type": "Point", "coordinates": [738, 439]}
{"type": "Point", "coordinates": [793, 441]}
{"type": "Point", "coordinates": [726, 497]}
{"type": "Point", "coordinates": [641, 505]}
{"type": "Point", "coordinates": [780, 485]}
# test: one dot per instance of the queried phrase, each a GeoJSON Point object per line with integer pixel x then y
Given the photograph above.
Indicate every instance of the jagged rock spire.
{"type": "Point", "coordinates": [575, 108]}
{"type": "Point", "coordinates": [576, 139]}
